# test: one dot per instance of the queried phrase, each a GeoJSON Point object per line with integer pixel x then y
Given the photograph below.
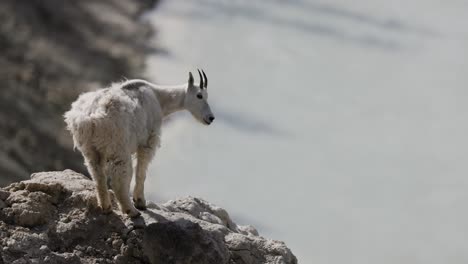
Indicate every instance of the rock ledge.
{"type": "Point", "coordinates": [54, 218]}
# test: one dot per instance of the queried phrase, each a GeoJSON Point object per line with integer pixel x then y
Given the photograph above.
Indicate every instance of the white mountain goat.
{"type": "Point", "coordinates": [111, 124]}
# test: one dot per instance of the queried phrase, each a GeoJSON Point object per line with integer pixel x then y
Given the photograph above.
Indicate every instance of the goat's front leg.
{"type": "Point", "coordinates": [144, 156]}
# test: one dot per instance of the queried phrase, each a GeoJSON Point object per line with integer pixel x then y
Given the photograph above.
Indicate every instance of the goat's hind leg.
{"type": "Point", "coordinates": [94, 161]}
{"type": "Point", "coordinates": [121, 170]}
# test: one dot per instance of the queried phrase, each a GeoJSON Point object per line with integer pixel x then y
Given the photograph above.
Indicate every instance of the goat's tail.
{"type": "Point", "coordinates": [81, 127]}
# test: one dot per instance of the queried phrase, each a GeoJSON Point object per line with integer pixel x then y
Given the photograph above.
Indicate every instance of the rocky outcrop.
{"type": "Point", "coordinates": [54, 218]}
{"type": "Point", "coordinates": [52, 50]}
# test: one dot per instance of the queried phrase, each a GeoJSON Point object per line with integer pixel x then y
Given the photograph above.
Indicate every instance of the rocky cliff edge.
{"type": "Point", "coordinates": [54, 218]}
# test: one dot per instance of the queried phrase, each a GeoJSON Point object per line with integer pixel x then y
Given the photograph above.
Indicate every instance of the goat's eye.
{"type": "Point", "coordinates": [199, 96]}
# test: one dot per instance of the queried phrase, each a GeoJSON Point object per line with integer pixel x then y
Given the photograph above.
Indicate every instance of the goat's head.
{"type": "Point", "coordinates": [196, 99]}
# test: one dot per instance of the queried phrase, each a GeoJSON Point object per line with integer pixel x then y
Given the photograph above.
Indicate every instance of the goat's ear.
{"type": "Point", "coordinates": [190, 80]}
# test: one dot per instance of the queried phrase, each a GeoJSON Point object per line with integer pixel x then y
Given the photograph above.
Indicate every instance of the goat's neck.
{"type": "Point", "coordinates": [171, 98]}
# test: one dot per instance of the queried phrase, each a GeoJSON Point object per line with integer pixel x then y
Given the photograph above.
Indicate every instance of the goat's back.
{"type": "Point", "coordinates": [114, 117]}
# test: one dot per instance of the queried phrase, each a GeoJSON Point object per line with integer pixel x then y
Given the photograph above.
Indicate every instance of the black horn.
{"type": "Point", "coordinates": [201, 79]}
{"type": "Point", "coordinates": [190, 80]}
{"type": "Point", "coordinates": [206, 79]}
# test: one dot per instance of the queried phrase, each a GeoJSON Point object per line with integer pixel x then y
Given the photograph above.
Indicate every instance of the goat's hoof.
{"type": "Point", "coordinates": [133, 213]}
{"type": "Point", "coordinates": [140, 204]}
{"type": "Point", "coordinates": [106, 210]}
{"type": "Point", "coordinates": [143, 208]}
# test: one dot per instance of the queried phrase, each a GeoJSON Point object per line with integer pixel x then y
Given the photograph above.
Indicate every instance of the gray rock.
{"type": "Point", "coordinates": [4, 195]}
{"type": "Point", "coordinates": [54, 218]}
{"type": "Point", "coordinates": [182, 241]}
{"type": "Point", "coordinates": [26, 242]}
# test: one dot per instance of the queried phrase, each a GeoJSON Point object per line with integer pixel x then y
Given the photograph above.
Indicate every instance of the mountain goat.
{"type": "Point", "coordinates": [110, 125]}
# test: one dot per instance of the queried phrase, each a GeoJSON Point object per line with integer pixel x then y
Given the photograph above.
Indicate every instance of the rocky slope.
{"type": "Point", "coordinates": [52, 50]}
{"type": "Point", "coordinates": [54, 218]}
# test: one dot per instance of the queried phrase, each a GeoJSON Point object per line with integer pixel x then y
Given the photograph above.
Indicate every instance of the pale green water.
{"type": "Point", "coordinates": [340, 125]}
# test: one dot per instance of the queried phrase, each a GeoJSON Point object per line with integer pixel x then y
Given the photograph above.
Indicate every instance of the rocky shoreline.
{"type": "Point", "coordinates": [54, 218]}
{"type": "Point", "coordinates": [52, 51]}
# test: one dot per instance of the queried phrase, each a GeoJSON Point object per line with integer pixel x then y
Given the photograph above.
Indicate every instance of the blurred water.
{"type": "Point", "coordinates": [340, 125]}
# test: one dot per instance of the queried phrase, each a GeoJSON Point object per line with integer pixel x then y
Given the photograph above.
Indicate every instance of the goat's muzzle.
{"type": "Point", "coordinates": [208, 120]}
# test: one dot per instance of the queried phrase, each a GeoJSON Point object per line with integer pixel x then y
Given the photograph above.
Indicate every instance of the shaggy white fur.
{"type": "Point", "coordinates": [111, 124]}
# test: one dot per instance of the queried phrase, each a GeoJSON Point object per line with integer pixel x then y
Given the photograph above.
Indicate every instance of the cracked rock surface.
{"type": "Point", "coordinates": [54, 218]}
